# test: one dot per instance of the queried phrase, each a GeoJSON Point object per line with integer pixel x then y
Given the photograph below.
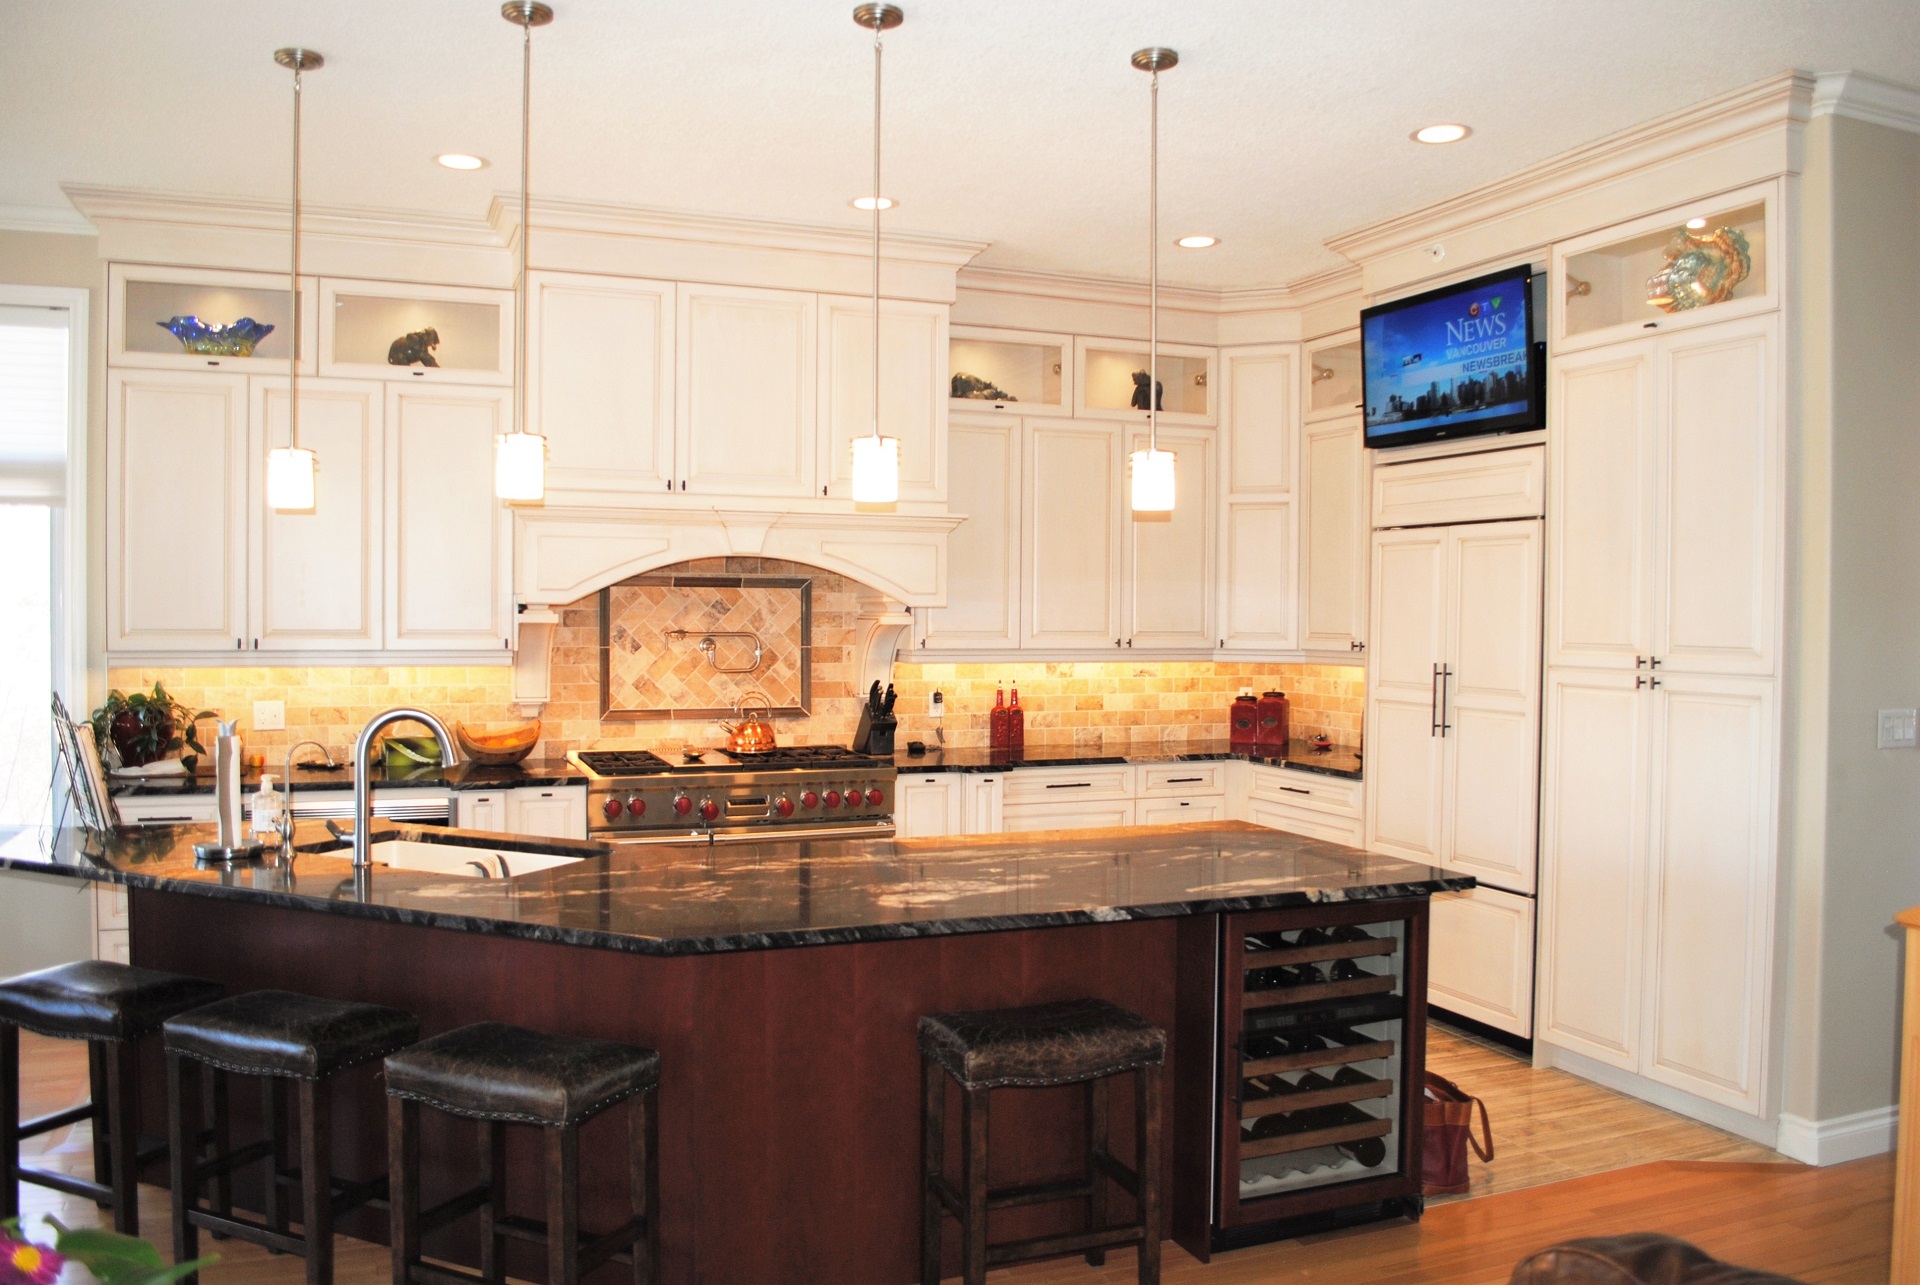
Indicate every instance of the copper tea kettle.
{"type": "Point", "coordinates": [752, 734]}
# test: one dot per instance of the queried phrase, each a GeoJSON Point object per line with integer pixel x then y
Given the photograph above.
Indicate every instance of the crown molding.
{"type": "Point", "coordinates": [1859, 96]}
{"type": "Point", "coordinates": [127, 205]}
{"type": "Point", "coordinates": [598, 218]}
{"type": "Point", "coordinates": [1775, 103]}
{"type": "Point", "coordinates": [63, 219]}
{"type": "Point", "coordinates": [1126, 292]}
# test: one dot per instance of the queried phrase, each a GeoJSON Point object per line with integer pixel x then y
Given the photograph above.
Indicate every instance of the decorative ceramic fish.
{"type": "Point", "coordinates": [208, 340]}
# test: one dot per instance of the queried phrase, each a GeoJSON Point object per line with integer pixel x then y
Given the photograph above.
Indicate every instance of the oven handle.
{"type": "Point", "coordinates": [781, 834]}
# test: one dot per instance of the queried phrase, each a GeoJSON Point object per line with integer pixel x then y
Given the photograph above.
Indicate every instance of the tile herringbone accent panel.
{"type": "Point", "coordinates": [652, 674]}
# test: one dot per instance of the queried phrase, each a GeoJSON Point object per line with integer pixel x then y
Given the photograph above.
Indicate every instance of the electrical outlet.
{"type": "Point", "coordinates": [269, 716]}
{"type": "Point", "coordinates": [936, 705]}
{"type": "Point", "coordinates": [1897, 727]}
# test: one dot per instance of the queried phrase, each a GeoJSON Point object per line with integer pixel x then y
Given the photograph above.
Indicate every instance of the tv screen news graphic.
{"type": "Point", "coordinates": [1452, 362]}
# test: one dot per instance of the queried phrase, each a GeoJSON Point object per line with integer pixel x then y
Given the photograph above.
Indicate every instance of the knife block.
{"type": "Point", "coordinates": [875, 733]}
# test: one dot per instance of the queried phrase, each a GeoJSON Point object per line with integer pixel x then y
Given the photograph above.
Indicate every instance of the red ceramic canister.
{"type": "Point", "coordinates": [1273, 729]}
{"type": "Point", "coordinates": [1243, 723]}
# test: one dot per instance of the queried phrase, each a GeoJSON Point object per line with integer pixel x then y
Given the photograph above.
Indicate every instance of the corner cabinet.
{"type": "Point", "coordinates": [1259, 602]}
{"type": "Point", "coordinates": [1333, 557]}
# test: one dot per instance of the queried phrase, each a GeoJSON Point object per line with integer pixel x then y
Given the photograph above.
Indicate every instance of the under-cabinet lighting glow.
{"type": "Point", "coordinates": [1152, 478]}
{"type": "Point", "coordinates": [290, 479]}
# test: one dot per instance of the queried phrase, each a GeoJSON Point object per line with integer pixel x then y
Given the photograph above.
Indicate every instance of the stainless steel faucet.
{"type": "Point", "coordinates": [362, 792]}
{"type": "Point", "coordinates": [286, 802]}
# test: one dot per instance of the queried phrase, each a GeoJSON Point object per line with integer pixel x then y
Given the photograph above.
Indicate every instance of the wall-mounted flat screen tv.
{"type": "Point", "coordinates": [1453, 362]}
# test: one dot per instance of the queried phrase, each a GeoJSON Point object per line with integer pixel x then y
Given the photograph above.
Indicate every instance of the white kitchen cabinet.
{"type": "Point", "coordinates": [1665, 488]}
{"type": "Point", "coordinates": [552, 811]}
{"type": "Point", "coordinates": [481, 810]}
{"type": "Point", "coordinates": [1480, 963]}
{"type": "Point", "coordinates": [913, 390]}
{"type": "Point", "coordinates": [929, 804]}
{"type": "Point", "coordinates": [1259, 444]}
{"type": "Point", "coordinates": [1072, 507]}
{"type": "Point", "coordinates": [1260, 434]}
{"type": "Point", "coordinates": [1033, 370]}
{"type": "Point", "coordinates": [982, 796]}
{"type": "Point", "coordinates": [176, 511]}
{"type": "Point", "coordinates": [1169, 589]}
{"type": "Point", "coordinates": [1312, 804]}
{"type": "Point", "coordinates": [1406, 759]}
{"type": "Point", "coordinates": [1333, 376]}
{"type": "Point", "coordinates": [1094, 796]}
{"type": "Point", "coordinates": [110, 931]}
{"type": "Point", "coordinates": [1179, 811]}
{"type": "Point", "coordinates": [314, 577]}
{"type": "Point", "coordinates": [1658, 873]}
{"type": "Point", "coordinates": [183, 809]}
{"type": "Point", "coordinates": [983, 553]}
{"type": "Point", "coordinates": [1082, 814]}
{"type": "Point", "coordinates": [1302, 821]}
{"type": "Point", "coordinates": [361, 322]}
{"type": "Point", "coordinates": [600, 383]}
{"type": "Point", "coordinates": [144, 299]}
{"type": "Point", "coordinates": [1333, 546]}
{"type": "Point", "coordinates": [745, 365]}
{"type": "Point", "coordinates": [1258, 604]}
{"type": "Point", "coordinates": [1104, 383]}
{"type": "Point", "coordinates": [447, 546]}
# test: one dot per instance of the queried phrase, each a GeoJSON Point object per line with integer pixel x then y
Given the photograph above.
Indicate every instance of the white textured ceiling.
{"type": "Point", "coordinates": [1016, 123]}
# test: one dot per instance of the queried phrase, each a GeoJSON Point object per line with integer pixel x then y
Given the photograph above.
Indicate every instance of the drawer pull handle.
{"type": "Point", "coordinates": [1186, 780]}
{"type": "Point", "coordinates": [1294, 789]}
{"type": "Point", "coordinates": [1072, 785]}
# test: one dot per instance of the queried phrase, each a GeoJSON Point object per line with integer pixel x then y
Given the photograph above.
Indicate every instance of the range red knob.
{"type": "Point", "coordinates": [638, 807]}
{"type": "Point", "coordinates": [682, 804]}
{"type": "Point", "coordinates": [853, 797]}
{"type": "Point", "coordinates": [784, 806]}
{"type": "Point", "coordinates": [613, 808]}
{"type": "Point", "coordinates": [809, 800]}
{"type": "Point", "coordinates": [832, 800]}
{"type": "Point", "coordinates": [875, 797]}
{"type": "Point", "coordinates": [709, 809]}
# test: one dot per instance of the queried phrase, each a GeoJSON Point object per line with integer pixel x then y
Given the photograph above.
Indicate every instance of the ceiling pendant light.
{"type": "Point", "coordinates": [290, 469]}
{"type": "Point", "coordinates": [876, 458]}
{"type": "Point", "coordinates": [1151, 471]}
{"type": "Point", "coordinates": [520, 457]}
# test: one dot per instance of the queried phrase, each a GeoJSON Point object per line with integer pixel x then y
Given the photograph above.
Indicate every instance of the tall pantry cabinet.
{"type": "Point", "coordinates": [1659, 777]}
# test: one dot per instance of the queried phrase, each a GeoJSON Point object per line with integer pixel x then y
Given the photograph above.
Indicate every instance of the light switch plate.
{"type": "Point", "coordinates": [1897, 728]}
{"type": "Point", "coordinates": [269, 716]}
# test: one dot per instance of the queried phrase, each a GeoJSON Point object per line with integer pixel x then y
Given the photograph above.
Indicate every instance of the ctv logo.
{"type": "Point", "coordinates": [1484, 320]}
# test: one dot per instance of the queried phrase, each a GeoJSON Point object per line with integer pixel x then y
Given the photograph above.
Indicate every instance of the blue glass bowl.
{"type": "Point", "coordinates": [236, 340]}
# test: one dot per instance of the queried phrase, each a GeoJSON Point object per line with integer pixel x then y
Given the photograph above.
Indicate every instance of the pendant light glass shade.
{"type": "Point", "coordinates": [520, 457]}
{"type": "Point", "coordinates": [876, 458]}
{"type": "Point", "coordinates": [290, 479]}
{"type": "Point", "coordinates": [520, 467]}
{"type": "Point", "coordinates": [876, 470]}
{"type": "Point", "coordinates": [1151, 480]}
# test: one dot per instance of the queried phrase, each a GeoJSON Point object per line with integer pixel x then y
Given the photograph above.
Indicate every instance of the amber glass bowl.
{"type": "Point", "coordinates": [497, 748]}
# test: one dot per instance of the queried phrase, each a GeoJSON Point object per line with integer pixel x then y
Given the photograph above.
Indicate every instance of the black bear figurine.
{"type": "Point", "coordinates": [1140, 392]}
{"type": "Point", "coordinates": [414, 349]}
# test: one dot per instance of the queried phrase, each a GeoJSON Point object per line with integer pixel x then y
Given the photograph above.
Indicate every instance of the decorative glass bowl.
{"type": "Point", "coordinates": [209, 340]}
{"type": "Point", "coordinates": [497, 748]}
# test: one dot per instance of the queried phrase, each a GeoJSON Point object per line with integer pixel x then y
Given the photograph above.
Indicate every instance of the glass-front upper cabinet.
{"type": "Point", "coordinates": [390, 330]}
{"type": "Point", "coordinates": [1110, 377]}
{"type": "Point", "coordinates": [200, 318]}
{"type": "Point", "coordinates": [1333, 376]}
{"type": "Point", "coordinates": [1707, 260]}
{"type": "Point", "coordinates": [1020, 371]}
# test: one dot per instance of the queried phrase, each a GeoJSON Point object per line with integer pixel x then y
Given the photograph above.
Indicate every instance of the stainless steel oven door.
{"type": "Point", "coordinates": [879, 829]}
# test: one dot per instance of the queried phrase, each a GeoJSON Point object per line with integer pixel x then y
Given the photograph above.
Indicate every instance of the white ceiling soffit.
{"type": "Point", "coordinates": [1022, 125]}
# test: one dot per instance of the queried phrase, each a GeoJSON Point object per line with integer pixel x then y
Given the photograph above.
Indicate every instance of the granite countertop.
{"type": "Point", "coordinates": [1340, 760]}
{"type": "Point", "coordinates": [461, 776]}
{"type": "Point", "coordinates": [688, 899]}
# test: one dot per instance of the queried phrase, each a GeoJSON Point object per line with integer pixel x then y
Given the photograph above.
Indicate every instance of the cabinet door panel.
{"type": "Point", "coordinates": [1492, 703]}
{"type": "Point", "coordinates": [1180, 811]}
{"type": "Point", "coordinates": [315, 576]}
{"type": "Point", "coordinates": [1600, 505]}
{"type": "Point", "coordinates": [1334, 546]}
{"type": "Point", "coordinates": [1072, 531]}
{"type": "Point", "coordinates": [983, 553]}
{"type": "Point", "coordinates": [1170, 558]}
{"type": "Point", "coordinates": [1712, 863]}
{"type": "Point", "coordinates": [746, 362]}
{"type": "Point", "coordinates": [1593, 864]}
{"type": "Point", "coordinates": [176, 499]}
{"type": "Point", "coordinates": [913, 390]}
{"type": "Point", "coordinates": [559, 813]}
{"type": "Point", "coordinates": [600, 381]}
{"type": "Point", "coordinates": [1480, 961]}
{"type": "Point", "coordinates": [1050, 816]}
{"type": "Point", "coordinates": [1263, 397]}
{"type": "Point", "coordinates": [446, 565]}
{"type": "Point", "coordinates": [1405, 753]}
{"type": "Point", "coordinates": [983, 795]}
{"type": "Point", "coordinates": [1721, 505]}
{"type": "Point", "coordinates": [481, 812]}
{"type": "Point", "coordinates": [1259, 593]}
{"type": "Point", "coordinates": [927, 807]}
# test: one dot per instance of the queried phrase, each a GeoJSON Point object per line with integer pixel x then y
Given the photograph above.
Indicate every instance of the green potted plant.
{"type": "Point", "coordinates": [147, 726]}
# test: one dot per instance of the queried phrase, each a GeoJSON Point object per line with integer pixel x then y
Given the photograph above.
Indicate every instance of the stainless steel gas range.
{"type": "Point", "coordinates": [797, 792]}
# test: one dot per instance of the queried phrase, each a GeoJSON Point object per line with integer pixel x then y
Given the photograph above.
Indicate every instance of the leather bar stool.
{"type": "Point", "coordinates": [281, 1038]}
{"type": "Point", "coordinates": [112, 1007]}
{"type": "Point", "coordinates": [499, 1075]}
{"type": "Point", "coordinates": [1072, 1042]}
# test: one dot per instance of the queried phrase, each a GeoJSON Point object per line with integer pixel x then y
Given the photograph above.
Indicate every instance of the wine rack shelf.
{"type": "Point", "coordinates": [1307, 994]}
{"type": "Point", "coordinates": [1370, 1051]}
{"type": "Point", "coordinates": [1281, 1103]}
{"type": "Point", "coordinates": [1317, 954]}
{"type": "Point", "coordinates": [1317, 1138]}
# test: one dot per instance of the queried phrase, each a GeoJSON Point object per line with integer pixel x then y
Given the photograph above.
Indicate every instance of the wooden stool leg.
{"type": "Point", "coordinates": [1146, 1115]}
{"type": "Point", "coordinates": [403, 1187]}
{"type": "Point", "coordinates": [273, 1110]}
{"type": "Point", "coordinates": [123, 1109]}
{"type": "Point", "coordinates": [102, 1100]}
{"type": "Point", "coordinates": [10, 1122]}
{"type": "Point", "coordinates": [973, 1178]}
{"type": "Point", "coordinates": [493, 1176]}
{"type": "Point", "coordinates": [214, 1119]}
{"type": "Point", "coordinates": [933, 1164]}
{"type": "Point", "coordinates": [316, 1179]}
{"type": "Point", "coordinates": [643, 1149]}
{"type": "Point", "coordinates": [1096, 1176]}
{"type": "Point", "coordinates": [182, 1157]}
{"type": "Point", "coordinates": [563, 1207]}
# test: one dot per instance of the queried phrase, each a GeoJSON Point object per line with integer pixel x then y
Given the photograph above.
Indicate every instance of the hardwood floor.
{"type": "Point", "coordinates": [1560, 1148]}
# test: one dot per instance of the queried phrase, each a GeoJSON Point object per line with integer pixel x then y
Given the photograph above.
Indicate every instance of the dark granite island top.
{"type": "Point", "coordinates": [693, 899]}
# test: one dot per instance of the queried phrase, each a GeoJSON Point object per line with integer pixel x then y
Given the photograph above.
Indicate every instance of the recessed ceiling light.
{"type": "Point", "coordinates": [868, 202]}
{"type": "Point", "coordinates": [461, 161]}
{"type": "Point", "coordinates": [1441, 133]}
{"type": "Point", "coordinates": [1696, 224]}
{"type": "Point", "coordinates": [1197, 242]}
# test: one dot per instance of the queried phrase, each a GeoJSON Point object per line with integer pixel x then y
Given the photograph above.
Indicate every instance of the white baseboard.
{"type": "Point", "coordinates": [1733, 1121]}
{"type": "Point", "coordinates": [1843, 1138]}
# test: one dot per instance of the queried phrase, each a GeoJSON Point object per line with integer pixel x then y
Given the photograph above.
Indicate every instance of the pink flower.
{"type": "Point", "coordinates": [22, 1263]}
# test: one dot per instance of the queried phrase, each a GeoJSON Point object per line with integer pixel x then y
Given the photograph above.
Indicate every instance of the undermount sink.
{"type": "Point", "coordinates": [459, 859]}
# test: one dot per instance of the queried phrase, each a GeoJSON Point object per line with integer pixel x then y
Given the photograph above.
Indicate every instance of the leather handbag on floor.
{"type": "Point", "coordinates": [1447, 1132]}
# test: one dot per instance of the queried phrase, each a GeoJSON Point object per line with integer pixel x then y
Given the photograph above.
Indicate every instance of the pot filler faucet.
{"type": "Point", "coordinates": [362, 787]}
